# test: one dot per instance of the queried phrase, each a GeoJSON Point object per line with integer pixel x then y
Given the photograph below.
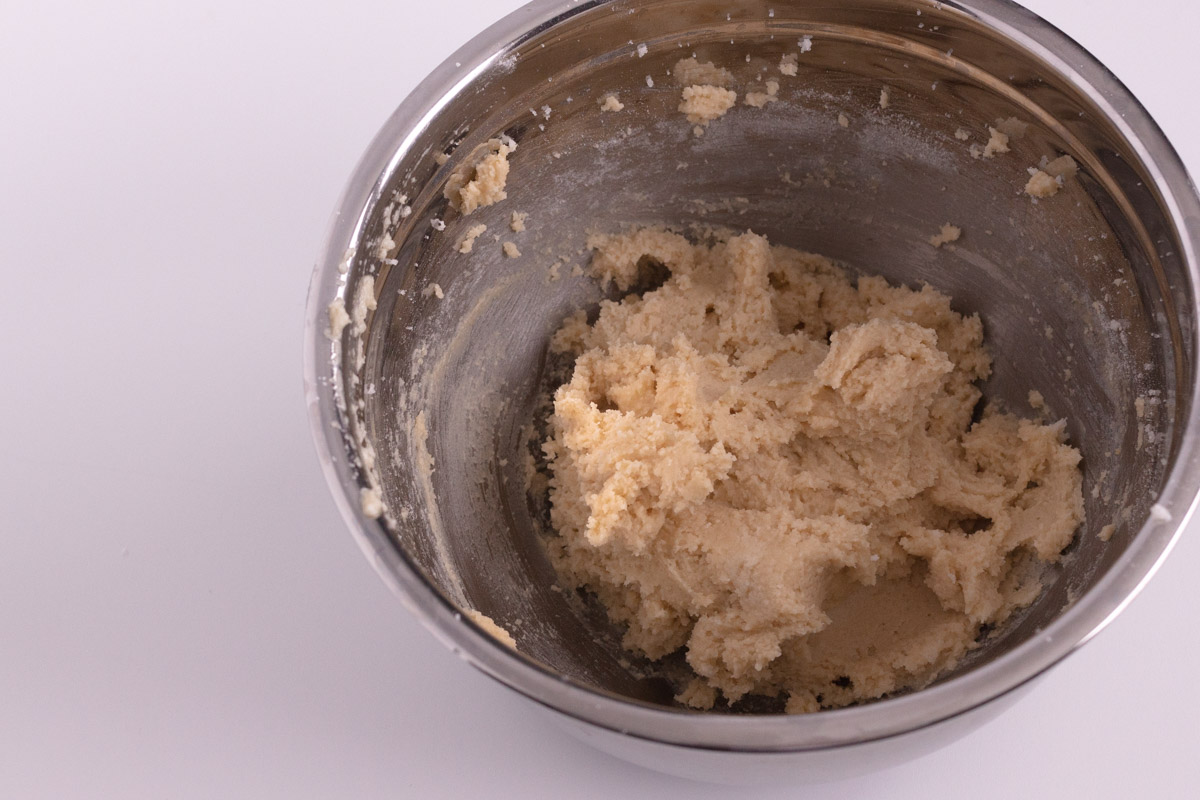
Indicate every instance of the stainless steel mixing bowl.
{"type": "Point", "coordinates": [1089, 296]}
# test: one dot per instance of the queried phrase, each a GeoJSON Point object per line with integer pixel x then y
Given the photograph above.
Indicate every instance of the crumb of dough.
{"type": "Point", "coordinates": [776, 467]}
{"type": "Point", "coordinates": [996, 143]}
{"type": "Point", "coordinates": [434, 290]}
{"type": "Point", "coordinates": [760, 99]}
{"type": "Point", "coordinates": [697, 694]}
{"type": "Point", "coordinates": [441, 158]}
{"type": "Point", "coordinates": [961, 135]}
{"type": "Point", "coordinates": [690, 72]}
{"type": "Point", "coordinates": [1159, 512]}
{"type": "Point", "coordinates": [1052, 175]}
{"type": "Point", "coordinates": [511, 250]}
{"type": "Point", "coordinates": [371, 502]}
{"type": "Point", "coordinates": [1036, 401]}
{"type": "Point", "coordinates": [386, 243]}
{"type": "Point", "coordinates": [698, 131]}
{"type": "Point", "coordinates": [489, 626]}
{"type": "Point", "coordinates": [801, 702]}
{"type": "Point", "coordinates": [948, 234]}
{"type": "Point", "coordinates": [789, 65]}
{"type": "Point", "coordinates": [805, 43]}
{"type": "Point", "coordinates": [1106, 532]}
{"type": "Point", "coordinates": [517, 223]}
{"type": "Point", "coordinates": [885, 98]}
{"type": "Point", "coordinates": [338, 319]}
{"type": "Point", "coordinates": [1062, 167]}
{"type": "Point", "coordinates": [1139, 406]}
{"type": "Point", "coordinates": [1041, 184]}
{"type": "Point", "coordinates": [364, 303]}
{"type": "Point", "coordinates": [611, 103]}
{"type": "Point", "coordinates": [1012, 127]}
{"type": "Point", "coordinates": [703, 104]}
{"type": "Point", "coordinates": [571, 335]}
{"type": "Point", "coordinates": [467, 243]}
{"type": "Point", "coordinates": [843, 120]}
{"type": "Point", "coordinates": [480, 180]}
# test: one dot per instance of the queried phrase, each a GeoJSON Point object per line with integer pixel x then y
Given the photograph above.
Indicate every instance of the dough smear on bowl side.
{"type": "Point", "coordinates": [777, 468]}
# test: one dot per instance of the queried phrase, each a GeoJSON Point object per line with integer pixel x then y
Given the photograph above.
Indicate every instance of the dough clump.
{"type": "Point", "coordinates": [778, 469]}
{"type": "Point", "coordinates": [949, 233]}
{"type": "Point", "coordinates": [492, 628]}
{"type": "Point", "coordinates": [1046, 181]}
{"type": "Point", "coordinates": [480, 181]}
{"type": "Point", "coordinates": [760, 99]}
{"type": "Point", "coordinates": [691, 72]}
{"type": "Point", "coordinates": [703, 104]}
{"type": "Point", "coordinates": [611, 103]}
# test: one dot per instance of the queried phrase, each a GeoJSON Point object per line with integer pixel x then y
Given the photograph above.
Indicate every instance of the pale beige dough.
{"type": "Point", "coordinates": [703, 104]}
{"type": "Point", "coordinates": [775, 468]}
{"type": "Point", "coordinates": [704, 96]}
{"type": "Point", "coordinates": [1042, 184]}
{"type": "Point", "coordinates": [481, 179]}
{"type": "Point", "coordinates": [949, 233]}
{"type": "Point", "coordinates": [1012, 127]}
{"type": "Point", "coordinates": [467, 243]}
{"type": "Point", "coordinates": [1062, 167]}
{"type": "Point", "coordinates": [760, 99]}
{"type": "Point", "coordinates": [338, 319]}
{"type": "Point", "coordinates": [1052, 175]}
{"type": "Point", "coordinates": [490, 627]}
{"type": "Point", "coordinates": [996, 143]}
{"type": "Point", "coordinates": [371, 502]}
{"type": "Point", "coordinates": [611, 103]}
{"type": "Point", "coordinates": [690, 72]}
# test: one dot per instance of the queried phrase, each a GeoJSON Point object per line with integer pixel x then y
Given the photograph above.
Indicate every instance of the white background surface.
{"type": "Point", "coordinates": [182, 613]}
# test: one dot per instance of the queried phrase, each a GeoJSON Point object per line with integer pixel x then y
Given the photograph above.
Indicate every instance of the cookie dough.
{"type": "Point", "coordinates": [997, 143]}
{"type": "Point", "coordinates": [760, 99]}
{"type": "Point", "coordinates": [778, 469]}
{"type": "Point", "coordinates": [692, 72]}
{"type": "Point", "coordinates": [467, 243]}
{"type": "Point", "coordinates": [481, 179]}
{"type": "Point", "coordinates": [1048, 177]}
{"type": "Point", "coordinates": [948, 234]}
{"type": "Point", "coordinates": [490, 627]}
{"type": "Point", "coordinates": [703, 104]}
